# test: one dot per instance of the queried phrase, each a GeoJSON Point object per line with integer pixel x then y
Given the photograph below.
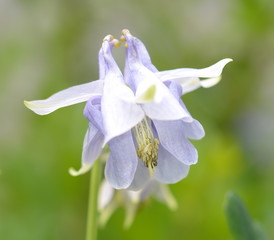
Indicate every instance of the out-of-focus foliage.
{"type": "Point", "coordinates": [46, 46]}
{"type": "Point", "coordinates": [241, 225]}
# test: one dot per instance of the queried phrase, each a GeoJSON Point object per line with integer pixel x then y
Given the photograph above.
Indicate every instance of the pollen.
{"type": "Point", "coordinates": [148, 145]}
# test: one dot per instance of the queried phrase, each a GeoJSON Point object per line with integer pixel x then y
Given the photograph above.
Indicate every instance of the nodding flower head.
{"type": "Point", "coordinates": [139, 114]}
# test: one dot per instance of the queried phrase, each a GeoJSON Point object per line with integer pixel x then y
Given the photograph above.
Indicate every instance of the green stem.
{"type": "Point", "coordinates": [92, 218]}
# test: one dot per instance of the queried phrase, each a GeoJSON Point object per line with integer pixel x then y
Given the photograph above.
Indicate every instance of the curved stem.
{"type": "Point", "coordinates": [92, 218]}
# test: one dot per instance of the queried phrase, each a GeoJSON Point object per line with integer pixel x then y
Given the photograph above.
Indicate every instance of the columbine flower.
{"type": "Point", "coordinates": [110, 199]}
{"type": "Point", "coordinates": [144, 123]}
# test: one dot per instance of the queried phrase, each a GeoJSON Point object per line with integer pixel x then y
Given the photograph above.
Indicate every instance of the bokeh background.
{"type": "Point", "coordinates": [46, 46]}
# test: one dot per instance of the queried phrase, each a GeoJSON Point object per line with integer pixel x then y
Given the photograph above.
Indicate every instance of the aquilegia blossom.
{"type": "Point", "coordinates": [139, 115]}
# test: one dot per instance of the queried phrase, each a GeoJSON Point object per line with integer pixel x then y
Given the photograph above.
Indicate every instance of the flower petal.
{"type": "Point", "coordinates": [171, 136]}
{"type": "Point", "coordinates": [93, 145]}
{"type": "Point", "coordinates": [165, 106]}
{"type": "Point", "coordinates": [180, 73]}
{"type": "Point", "coordinates": [167, 109]}
{"type": "Point", "coordinates": [122, 163]}
{"type": "Point", "coordinates": [157, 101]}
{"type": "Point", "coordinates": [193, 130]}
{"type": "Point", "coordinates": [144, 55]}
{"type": "Point", "coordinates": [189, 77]}
{"type": "Point", "coordinates": [93, 114]}
{"type": "Point", "coordinates": [169, 169]}
{"type": "Point", "coordinates": [67, 97]}
{"type": "Point", "coordinates": [120, 112]}
{"type": "Point", "coordinates": [191, 84]}
{"type": "Point", "coordinates": [92, 149]}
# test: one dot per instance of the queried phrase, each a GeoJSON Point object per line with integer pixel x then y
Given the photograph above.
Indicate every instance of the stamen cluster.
{"type": "Point", "coordinates": [148, 146]}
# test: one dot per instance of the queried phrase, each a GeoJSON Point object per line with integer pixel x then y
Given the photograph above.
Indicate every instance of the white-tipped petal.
{"type": "Point", "coordinates": [168, 108]}
{"type": "Point", "coordinates": [147, 94]}
{"type": "Point", "coordinates": [67, 97]}
{"type": "Point", "coordinates": [149, 88]}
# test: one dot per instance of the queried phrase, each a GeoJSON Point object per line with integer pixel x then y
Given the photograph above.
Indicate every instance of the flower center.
{"type": "Point", "coordinates": [148, 147]}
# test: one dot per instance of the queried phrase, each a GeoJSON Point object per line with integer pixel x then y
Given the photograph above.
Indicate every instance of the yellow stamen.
{"type": "Point", "coordinates": [148, 146]}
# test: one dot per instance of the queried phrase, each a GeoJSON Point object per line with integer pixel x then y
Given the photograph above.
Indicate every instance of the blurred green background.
{"type": "Point", "coordinates": [46, 46]}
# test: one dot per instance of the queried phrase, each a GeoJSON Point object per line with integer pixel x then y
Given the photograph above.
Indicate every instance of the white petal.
{"type": "Point", "coordinates": [67, 97]}
{"type": "Point", "coordinates": [209, 72]}
{"type": "Point", "coordinates": [207, 83]}
{"type": "Point", "coordinates": [149, 88]}
{"type": "Point", "coordinates": [168, 108]}
{"type": "Point", "coordinates": [159, 103]}
{"type": "Point", "coordinates": [189, 77]}
{"type": "Point", "coordinates": [119, 110]}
